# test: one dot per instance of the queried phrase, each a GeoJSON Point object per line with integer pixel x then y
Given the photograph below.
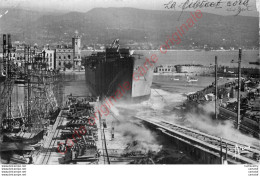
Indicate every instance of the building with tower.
{"type": "Point", "coordinates": [76, 41]}
{"type": "Point", "coordinates": [69, 58]}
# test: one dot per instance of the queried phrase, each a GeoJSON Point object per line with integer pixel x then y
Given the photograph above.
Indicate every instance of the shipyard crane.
{"type": "Point", "coordinates": [115, 44]}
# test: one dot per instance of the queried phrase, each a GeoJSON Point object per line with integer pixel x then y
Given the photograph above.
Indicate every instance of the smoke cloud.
{"type": "Point", "coordinates": [160, 106]}
{"type": "Point", "coordinates": [144, 138]}
{"type": "Point", "coordinates": [202, 121]}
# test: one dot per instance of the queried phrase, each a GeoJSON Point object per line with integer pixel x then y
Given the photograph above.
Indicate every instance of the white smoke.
{"type": "Point", "coordinates": [160, 106]}
{"type": "Point", "coordinates": [146, 140]}
{"type": "Point", "coordinates": [204, 123]}
{"type": "Point", "coordinates": [114, 110]}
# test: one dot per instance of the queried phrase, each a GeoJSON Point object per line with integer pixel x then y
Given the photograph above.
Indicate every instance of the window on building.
{"type": "Point", "coordinates": [50, 55]}
{"type": "Point", "coordinates": [59, 57]}
{"type": "Point", "coordinates": [64, 57]}
{"type": "Point", "coordinates": [59, 63]}
{"type": "Point", "coordinates": [69, 56]}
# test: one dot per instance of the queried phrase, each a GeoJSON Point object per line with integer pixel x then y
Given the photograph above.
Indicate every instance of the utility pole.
{"type": "Point", "coordinates": [221, 155]}
{"type": "Point", "coordinates": [27, 84]}
{"type": "Point", "coordinates": [239, 87]}
{"type": "Point", "coordinates": [103, 138]}
{"type": "Point", "coordinates": [9, 76]}
{"type": "Point", "coordinates": [216, 87]}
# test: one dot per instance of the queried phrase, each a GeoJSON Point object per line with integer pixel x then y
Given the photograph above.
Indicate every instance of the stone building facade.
{"type": "Point", "coordinates": [69, 58]}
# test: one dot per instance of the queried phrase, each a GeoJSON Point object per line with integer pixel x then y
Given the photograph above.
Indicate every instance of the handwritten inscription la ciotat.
{"type": "Point", "coordinates": [236, 6]}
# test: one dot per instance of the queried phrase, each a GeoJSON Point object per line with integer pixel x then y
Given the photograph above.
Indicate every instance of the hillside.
{"type": "Point", "coordinates": [103, 25]}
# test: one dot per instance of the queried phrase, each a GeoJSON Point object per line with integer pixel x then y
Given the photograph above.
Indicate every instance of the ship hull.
{"type": "Point", "coordinates": [121, 78]}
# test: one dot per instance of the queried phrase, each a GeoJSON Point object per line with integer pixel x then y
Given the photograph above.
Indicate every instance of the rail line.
{"type": "Point", "coordinates": [52, 139]}
{"type": "Point", "coordinates": [231, 116]}
{"type": "Point", "coordinates": [236, 152]}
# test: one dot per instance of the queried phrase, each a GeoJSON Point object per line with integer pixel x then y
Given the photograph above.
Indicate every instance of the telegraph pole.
{"type": "Point", "coordinates": [9, 76]}
{"type": "Point", "coordinates": [239, 87]}
{"type": "Point", "coordinates": [216, 87]}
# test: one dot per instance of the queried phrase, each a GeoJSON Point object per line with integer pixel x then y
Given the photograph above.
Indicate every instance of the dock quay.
{"type": "Point", "coordinates": [49, 143]}
{"type": "Point", "coordinates": [205, 148]}
{"type": "Point", "coordinates": [77, 138]}
{"type": "Point", "coordinates": [71, 139]}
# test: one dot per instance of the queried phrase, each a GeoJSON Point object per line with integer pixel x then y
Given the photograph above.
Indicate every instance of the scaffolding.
{"type": "Point", "coordinates": [38, 87]}
{"type": "Point", "coordinates": [5, 96]}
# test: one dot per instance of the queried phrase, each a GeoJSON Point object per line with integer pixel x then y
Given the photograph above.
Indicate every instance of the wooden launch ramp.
{"type": "Point", "coordinates": [207, 149]}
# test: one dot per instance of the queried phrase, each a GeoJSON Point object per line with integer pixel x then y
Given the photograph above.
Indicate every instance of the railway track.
{"type": "Point", "coordinates": [236, 152]}
{"type": "Point", "coordinates": [52, 138]}
{"type": "Point", "coordinates": [231, 116]}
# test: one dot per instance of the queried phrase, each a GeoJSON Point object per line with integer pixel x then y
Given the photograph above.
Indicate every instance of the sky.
{"type": "Point", "coordinates": [86, 5]}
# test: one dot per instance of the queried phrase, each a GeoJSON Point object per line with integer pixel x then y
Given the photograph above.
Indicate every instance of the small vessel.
{"type": "Point", "coordinates": [255, 63]}
{"type": "Point", "coordinates": [232, 79]}
{"type": "Point", "coordinates": [192, 79]}
{"type": "Point", "coordinates": [175, 79]}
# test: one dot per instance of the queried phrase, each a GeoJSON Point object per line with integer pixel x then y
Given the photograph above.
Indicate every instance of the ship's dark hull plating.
{"type": "Point", "coordinates": [108, 77]}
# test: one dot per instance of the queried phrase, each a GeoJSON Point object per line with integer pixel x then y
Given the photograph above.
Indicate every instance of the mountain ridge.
{"type": "Point", "coordinates": [103, 25]}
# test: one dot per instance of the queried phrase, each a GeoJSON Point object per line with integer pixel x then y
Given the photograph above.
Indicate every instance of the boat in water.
{"type": "Point", "coordinates": [257, 62]}
{"type": "Point", "coordinates": [119, 72]}
{"type": "Point", "coordinates": [192, 79]}
{"type": "Point", "coordinates": [175, 79]}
